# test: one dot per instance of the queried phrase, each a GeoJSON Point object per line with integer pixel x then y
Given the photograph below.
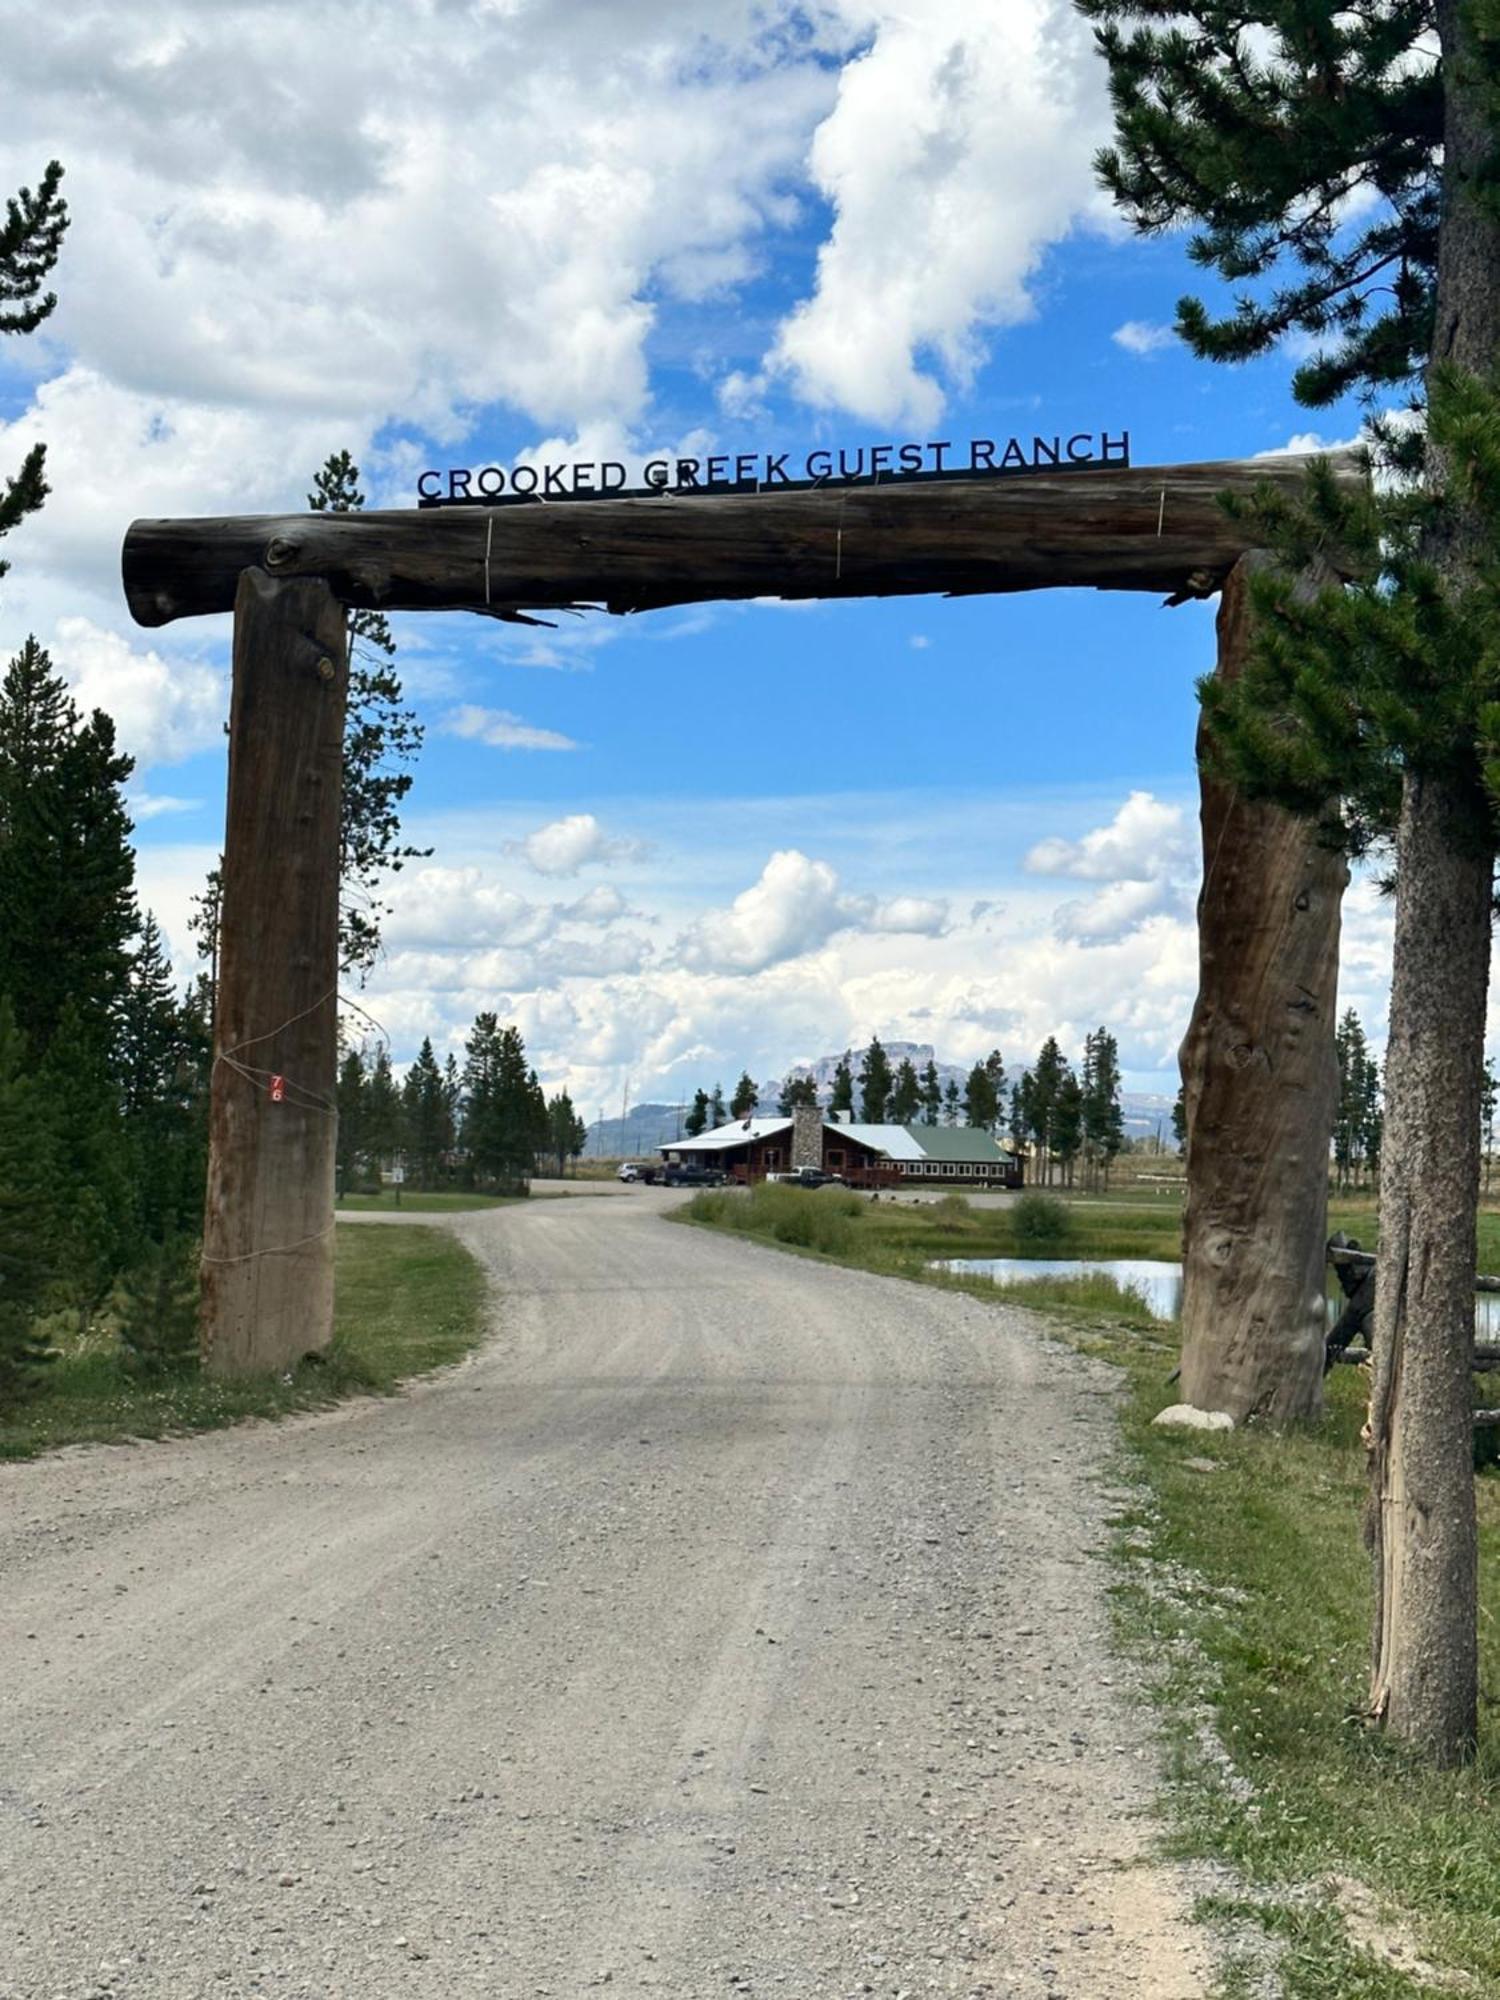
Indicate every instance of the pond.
{"type": "Point", "coordinates": [1157, 1282]}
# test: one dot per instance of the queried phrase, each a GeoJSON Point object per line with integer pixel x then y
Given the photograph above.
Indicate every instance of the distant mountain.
{"type": "Point", "coordinates": [647, 1127]}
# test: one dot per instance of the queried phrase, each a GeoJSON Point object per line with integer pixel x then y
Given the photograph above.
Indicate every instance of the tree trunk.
{"type": "Point", "coordinates": [268, 1222]}
{"type": "Point", "coordinates": [1424, 1683]}
{"type": "Point", "coordinates": [1260, 1082]}
{"type": "Point", "coordinates": [1425, 1674]}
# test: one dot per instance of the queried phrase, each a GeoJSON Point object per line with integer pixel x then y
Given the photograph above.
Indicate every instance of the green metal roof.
{"type": "Point", "coordinates": [963, 1144]}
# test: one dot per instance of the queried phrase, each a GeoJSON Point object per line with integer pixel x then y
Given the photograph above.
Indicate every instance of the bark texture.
{"type": "Point", "coordinates": [1425, 1678]}
{"type": "Point", "coordinates": [268, 1221]}
{"type": "Point", "coordinates": [1424, 1683]}
{"type": "Point", "coordinates": [1154, 528]}
{"type": "Point", "coordinates": [1260, 1081]}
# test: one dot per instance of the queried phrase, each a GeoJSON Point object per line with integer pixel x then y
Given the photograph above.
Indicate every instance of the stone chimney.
{"type": "Point", "coordinates": [807, 1136]}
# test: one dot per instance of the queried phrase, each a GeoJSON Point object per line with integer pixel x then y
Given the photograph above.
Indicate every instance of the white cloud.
{"type": "Point", "coordinates": [501, 730]}
{"type": "Point", "coordinates": [1145, 840]}
{"type": "Point", "coordinates": [794, 908]}
{"type": "Point", "coordinates": [960, 147]}
{"type": "Point", "coordinates": [157, 805]}
{"type": "Point", "coordinates": [1112, 912]}
{"type": "Point", "coordinates": [165, 710]}
{"type": "Point", "coordinates": [912, 916]}
{"type": "Point", "coordinates": [1143, 336]}
{"type": "Point", "coordinates": [564, 846]}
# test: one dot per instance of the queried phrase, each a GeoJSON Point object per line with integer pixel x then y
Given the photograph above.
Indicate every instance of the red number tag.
{"type": "Point", "coordinates": [278, 1089]}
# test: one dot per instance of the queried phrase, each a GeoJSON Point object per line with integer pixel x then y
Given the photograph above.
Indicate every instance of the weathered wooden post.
{"type": "Point", "coordinates": [1260, 1081]}
{"type": "Point", "coordinates": [268, 1220]}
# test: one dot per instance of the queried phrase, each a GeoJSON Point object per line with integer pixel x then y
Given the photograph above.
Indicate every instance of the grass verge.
{"type": "Point", "coordinates": [407, 1300]}
{"type": "Point", "coordinates": [1243, 1583]}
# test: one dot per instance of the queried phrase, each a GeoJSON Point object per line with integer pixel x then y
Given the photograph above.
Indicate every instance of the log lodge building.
{"type": "Point", "coordinates": [866, 1156]}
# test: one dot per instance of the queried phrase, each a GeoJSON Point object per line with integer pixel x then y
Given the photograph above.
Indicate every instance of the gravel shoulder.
{"type": "Point", "coordinates": [729, 1623]}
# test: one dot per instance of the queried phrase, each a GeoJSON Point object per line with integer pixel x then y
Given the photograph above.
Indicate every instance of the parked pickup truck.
{"type": "Point", "coordinates": [675, 1176]}
{"type": "Point", "coordinates": [808, 1177]}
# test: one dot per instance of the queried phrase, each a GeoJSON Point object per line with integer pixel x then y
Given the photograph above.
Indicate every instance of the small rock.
{"type": "Point", "coordinates": [1183, 1416]}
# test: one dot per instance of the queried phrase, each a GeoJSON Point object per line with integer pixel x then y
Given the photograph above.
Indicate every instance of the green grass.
{"type": "Point", "coordinates": [414, 1203]}
{"type": "Point", "coordinates": [1246, 1590]}
{"type": "Point", "coordinates": [408, 1300]}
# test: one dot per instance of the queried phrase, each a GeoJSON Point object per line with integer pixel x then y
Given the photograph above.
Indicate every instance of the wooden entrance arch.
{"type": "Point", "coordinates": [1258, 1060]}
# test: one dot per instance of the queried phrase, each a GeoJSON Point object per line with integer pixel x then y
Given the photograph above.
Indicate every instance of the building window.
{"type": "Point", "coordinates": [773, 1159]}
{"type": "Point", "coordinates": [835, 1159]}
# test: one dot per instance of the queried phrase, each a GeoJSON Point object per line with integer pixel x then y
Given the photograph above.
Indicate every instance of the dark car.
{"type": "Point", "coordinates": [675, 1176]}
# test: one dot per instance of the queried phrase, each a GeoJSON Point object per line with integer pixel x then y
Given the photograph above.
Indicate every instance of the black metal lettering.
{"type": "Point", "coordinates": [982, 455]}
{"type": "Point", "coordinates": [1076, 457]}
{"type": "Point", "coordinates": [495, 476]}
{"type": "Point", "coordinates": [458, 484]}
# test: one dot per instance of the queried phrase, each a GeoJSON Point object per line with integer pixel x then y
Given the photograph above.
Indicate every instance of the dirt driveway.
{"type": "Point", "coordinates": [730, 1624]}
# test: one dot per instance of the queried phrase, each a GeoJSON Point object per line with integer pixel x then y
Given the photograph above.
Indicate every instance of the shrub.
{"type": "Point", "coordinates": [953, 1210]}
{"type": "Point", "coordinates": [159, 1308]}
{"type": "Point", "coordinates": [1040, 1218]}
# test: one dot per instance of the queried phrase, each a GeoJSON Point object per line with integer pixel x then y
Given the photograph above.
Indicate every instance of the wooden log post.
{"type": "Point", "coordinates": [1260, 1082]}
{"type": "Point", "coordinates": [268, 1222]}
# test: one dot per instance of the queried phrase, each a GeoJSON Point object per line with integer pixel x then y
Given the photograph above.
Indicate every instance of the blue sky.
{"type": "Point", "coordinates": [731, 835]}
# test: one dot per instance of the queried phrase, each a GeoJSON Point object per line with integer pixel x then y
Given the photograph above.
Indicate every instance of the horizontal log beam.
{"type": "Point", "coordinates": [1148, 528]}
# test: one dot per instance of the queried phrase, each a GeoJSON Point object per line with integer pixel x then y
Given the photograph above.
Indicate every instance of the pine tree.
{"type": "Point", "coordinates": [164, 1067]}
{"type": "Point", "coordinates": [994, 1069]}
{"type": "Point", "coordinates": [91, 1195]}
{"type": "Point", "coordinates": [952, 1102]}
{"type": "Point", "coordinates": [1489, 1102]}
{"type": "Point", "coordinates": [1067, 1123]}
{"type": "Point", "coordinates": [875, 1084]}
{"type": "Point", "coordinates": [1179, 1119]}
{"type": "Point", "coordinates": [1348, 159]}
{"type": "Point", "coordinates": [746, 1097]}
{"type": "Point", "coordinates": [1017, 1126]}
{"type": "Point", "coordinates": [716, 1116]}
{"type": "Point", "coordinates": [28, 1251]}
{"type": "Point", "coordinates": [382, 1113]}
{"type": "Point", "coordinates": [932, 1093]}
{"type": "Point", "coordinates": [906, 1094]}
{"type": "Point", "coordinates": [794, 1091]}
{"type": "Point", "coordinates": [567, 1133]}
{"type": "Point", "coordinates": [1352, 1055]}
{"type": "Point", "coordinates": [1103, 1117]}
{"type": "Point", "coordinates": [352, 1097]}
{"type": "Point", "coordinates": [30, 244]}
{"type": "Point", "coordinates": [381, 740]}
{"type": "Point", "coordinates": [67, 872]}
{"type": "Point", "coordinates": [504, 1111]}
{"type": "Point", "coordinates": [981, 1105]}
{"type": "Point", "coordinates": [427, 1119]}
{"type": "Point", "coordinates": [841, 1102]}
{"type": "Point", "coordinates": [696, 1122]}
{"type": "Point", "coordinates": [159, 1308]}
{"type": "Point", "coordinates": [1045, 1082]}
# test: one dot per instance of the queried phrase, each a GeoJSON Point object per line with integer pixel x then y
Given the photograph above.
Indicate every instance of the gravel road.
{"type": "Point", "coordinates": [729, 1625]}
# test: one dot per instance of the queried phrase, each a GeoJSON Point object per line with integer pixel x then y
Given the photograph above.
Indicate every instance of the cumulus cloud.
{"type": "Point", "coordinates": [565, 845]}
{"type": "Point", "coordinates": [795, 908]}
{"type": "Point", "coordinates": [912, 916]}
{"type": "Point", "coordinates": [1146, 839]}
{"type": "Point", "coordinates": [1143, 336]}
{"type": "Point", "coordinates": [501, 730]}
{"type": "Point", "coordinates": [792, 909]}
{"type": "Point", "coordinates": [164, 710]}
{"type": "Point", "coordinates": [959, 148]}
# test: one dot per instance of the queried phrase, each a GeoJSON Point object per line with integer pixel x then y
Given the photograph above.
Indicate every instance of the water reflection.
{"type": "Point", "coordinates": [1159, 1283]}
